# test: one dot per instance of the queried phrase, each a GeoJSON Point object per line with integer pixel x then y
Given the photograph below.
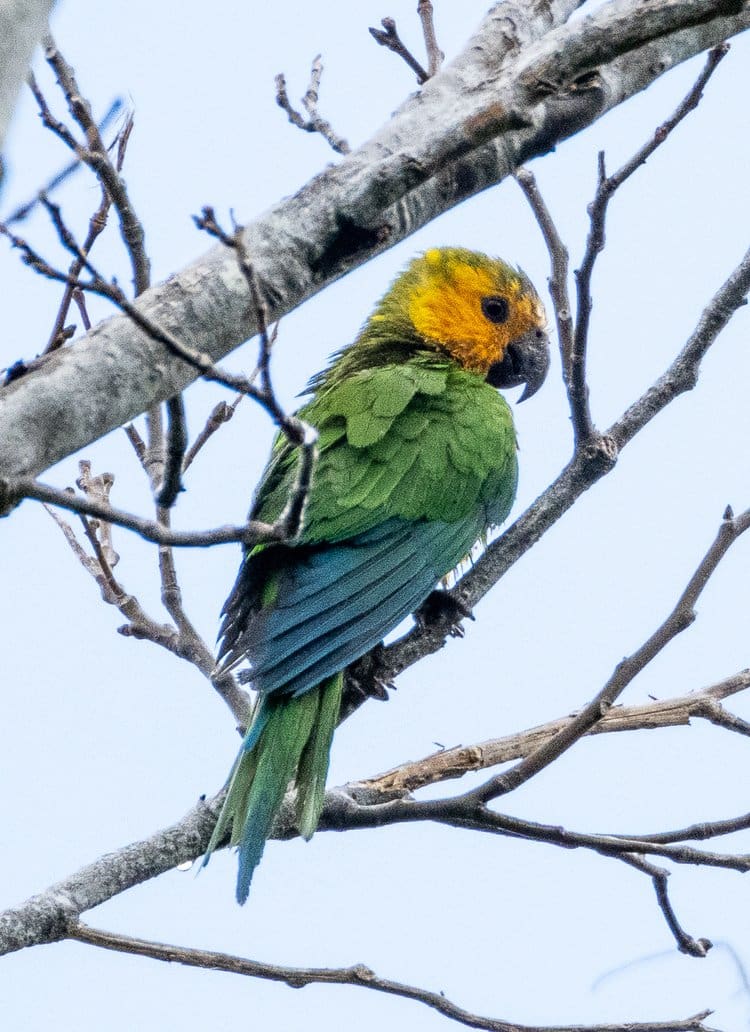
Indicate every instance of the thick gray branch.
{"type": "Point", "coordinates": [510, 96]}
{"type": "Point", "coordinates": [46, 917]}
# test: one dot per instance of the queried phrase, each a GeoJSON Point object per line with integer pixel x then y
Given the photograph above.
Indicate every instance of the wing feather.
{"type": "Point", "coordinates": [414, 463]}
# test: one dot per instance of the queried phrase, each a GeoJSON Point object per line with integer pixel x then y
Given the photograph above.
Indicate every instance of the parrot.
{"type": "Point", "coordinates": [416, 462]}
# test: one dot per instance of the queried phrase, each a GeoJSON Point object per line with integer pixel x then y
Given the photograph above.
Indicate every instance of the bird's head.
{"type": "Point", "coordinates": [482, 312]}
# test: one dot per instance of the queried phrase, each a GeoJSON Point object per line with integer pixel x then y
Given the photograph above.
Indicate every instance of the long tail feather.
{"type": "Point", "coordinates": [313, 764]}
{"type": "Point", "coordinates": [289, 739]}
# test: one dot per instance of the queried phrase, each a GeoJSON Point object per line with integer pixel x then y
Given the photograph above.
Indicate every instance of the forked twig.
{"type": "Point", "coordinates": [314, 123]}
{"type": "Point", "coordinates": [388, 37]}
{"type": "Point", "coordinates": [573, 336]}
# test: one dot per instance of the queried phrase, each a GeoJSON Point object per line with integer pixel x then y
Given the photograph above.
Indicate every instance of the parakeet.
{"type": "Point", "coordinates": [416, 461]}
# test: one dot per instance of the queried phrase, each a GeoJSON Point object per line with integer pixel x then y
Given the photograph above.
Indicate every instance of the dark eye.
{"type": "Point", "coordinates": [495, 309]}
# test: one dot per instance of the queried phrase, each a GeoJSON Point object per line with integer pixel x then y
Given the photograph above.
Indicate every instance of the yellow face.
{"type": "Point", "coordinates": [471, 308]}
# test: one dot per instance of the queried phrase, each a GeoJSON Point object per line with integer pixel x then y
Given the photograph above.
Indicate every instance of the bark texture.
{"type": "Point", "coordinates": [526, 81]}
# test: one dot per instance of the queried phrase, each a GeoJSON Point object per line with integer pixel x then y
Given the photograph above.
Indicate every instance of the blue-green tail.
{"type": "Point", "coordinates": [288, 740]}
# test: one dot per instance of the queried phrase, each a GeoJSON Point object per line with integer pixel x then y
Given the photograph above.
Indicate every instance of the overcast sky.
{"type": "Point", "coordinates": [105, 739]}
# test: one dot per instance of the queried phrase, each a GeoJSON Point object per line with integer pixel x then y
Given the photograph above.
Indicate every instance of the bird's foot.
{"type": "Point", "coordinates": [443, 611]}
{"type": "Point", "coordinates": [367, 679]}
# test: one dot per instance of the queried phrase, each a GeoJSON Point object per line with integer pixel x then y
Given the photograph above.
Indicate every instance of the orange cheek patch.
{"type": "Point", "coordinates": [446, 307]}
{"type": "Point", "coordinates": [450, 311]}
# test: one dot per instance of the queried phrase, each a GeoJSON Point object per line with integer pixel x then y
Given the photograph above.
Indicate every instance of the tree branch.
{"type": "Point", "coordinates": [356, 975]}
{"type": "Point", "coordinates": [678, 620]}
{"type": "Point", "coordinates": [464, 132]}
{"type": "Point", "coordinates": [250, 533]}
{"type": "Point", "coordinates": [448, 764]}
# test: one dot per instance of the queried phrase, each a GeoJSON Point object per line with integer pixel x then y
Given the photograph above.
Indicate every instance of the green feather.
{"type": "Point", "coordinates": [313, 764]}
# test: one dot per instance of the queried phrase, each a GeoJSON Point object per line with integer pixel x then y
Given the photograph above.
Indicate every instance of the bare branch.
{"type": "Point", "coordinates": [448, 764]}
{"type": "Point", "coordinates": [314, 123]}
{"type": "Point", "coordinates": [137, 442]}
{"type": "Point", "coordinates": [699, 832]}
{"type": "Point", "coordinates": [356, 975]}
{"type": "Point", "coordinates": [24, 210]}
{"type": "Point", "coordinates": [140, 624]}
{"type": "Point", "coordinates": [171, 483]}
{"type": "Point", "coordinates": [220, 414]}
{"type": "Point", "coordinates": [435, 55]}
{"type": "Point", "coordinates": [607, 185]}
{"type": "Point", "coordinates": [659, 875]}
{"type": "Point", "coordinates": [558, 281]}
{"type": "Point", "coordinates": [97, 225]}
{"type": "Point", "coordinates": [95, 155]}
{"type": "Point", "coordinates": [392, 41]}
{"type": "Point", "coordinates": [251, 533]}
{"type": "Point", "coordinates": [713, 711]}
{"type": "Point", "coordinates": [678, 620]}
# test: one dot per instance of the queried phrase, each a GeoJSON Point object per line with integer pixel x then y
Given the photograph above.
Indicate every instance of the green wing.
{"type": "Point", "coordinates": [415, 462]}
{"type": "Point", "coordinates": [417, 441]}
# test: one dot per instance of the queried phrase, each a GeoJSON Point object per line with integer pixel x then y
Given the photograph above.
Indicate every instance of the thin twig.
{"type": "Point", "coordinates": [220, 414]}
{"type": "Point", "coordinates": [176, 447]}
{"type": "Point", "coordinates": [95, 155]}
{"type": "Point", "coordinates": [97, 225]}
{"type": "Point", "coordinates": [392, 41]}
{"type": "Point", "coordinates": [699, 832]}
{"type": "Point", "coordinates": [344, 811]}
{"type": "Point", "coordinates": [140, 624]}
{"type": "Point", "coordinates": [659, 876]}
{"type": "Point", "coordinates": [606, 188]}
{"type": "Point", "coordinates": [678, 620]}
{"type": "Point", "coordinates": [356, 975]}
{"type": "Point", "coordinates": [137, 442]}
{"type": "Point", "coordinates": [314, 123]}
{"type": "Point", "coordinates": [24, 210]}
{"type": "Point", "coordinates": [250, 533]}
{"type": "Point", "coordinates": [435, 55]}
{"type": "Point", "coordinates": [558, 252]}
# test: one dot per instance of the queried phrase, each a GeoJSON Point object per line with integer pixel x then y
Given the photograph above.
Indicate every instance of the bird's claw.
{"type": "Point", "coordinates": [443, 611]}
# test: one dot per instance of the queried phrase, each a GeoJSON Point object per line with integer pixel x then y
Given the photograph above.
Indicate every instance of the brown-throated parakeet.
{"type": "Point", "coordinates": [417, 460]}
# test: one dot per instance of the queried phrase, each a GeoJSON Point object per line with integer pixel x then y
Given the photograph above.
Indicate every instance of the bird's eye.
{"type": "Point", "coordinates": [495, 309]}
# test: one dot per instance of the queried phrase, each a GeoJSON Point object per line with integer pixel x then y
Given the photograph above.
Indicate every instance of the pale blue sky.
{"type": "Point", "coordinates": [105, 739]}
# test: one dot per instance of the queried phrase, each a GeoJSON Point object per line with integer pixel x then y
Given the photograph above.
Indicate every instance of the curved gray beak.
{"type": "Point", "coordinates": [526, 360]}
